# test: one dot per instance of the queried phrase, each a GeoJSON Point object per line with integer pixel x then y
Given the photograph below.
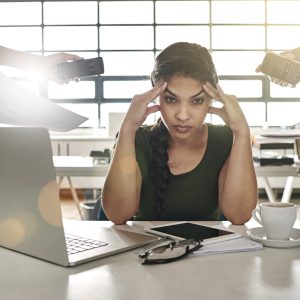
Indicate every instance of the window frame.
{"type": "Point", "coordinates": [99, 98]}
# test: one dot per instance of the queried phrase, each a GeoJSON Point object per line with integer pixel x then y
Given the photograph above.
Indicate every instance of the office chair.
{"type": "Point", "coordinates": [98, 212]}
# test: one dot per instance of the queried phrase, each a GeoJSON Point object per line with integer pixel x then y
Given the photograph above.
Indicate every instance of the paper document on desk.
{"type": "Point", "coordinates": [21, 107]}
{"type": "Point", "coordinates": [241, 244]}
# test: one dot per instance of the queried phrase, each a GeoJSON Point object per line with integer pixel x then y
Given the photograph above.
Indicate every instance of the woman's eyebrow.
{"type": "Point", "coordinates": [173, 94]}
{"type": "Point", "coordinates": [198, 94]}
{"type": "Point", "coordinates": [167, 90]}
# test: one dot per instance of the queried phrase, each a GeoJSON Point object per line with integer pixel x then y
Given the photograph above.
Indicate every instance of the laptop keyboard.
{"type": "Point", "coordinates": [77, 244]}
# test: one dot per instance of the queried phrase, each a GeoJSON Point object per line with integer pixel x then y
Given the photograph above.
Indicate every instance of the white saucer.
{"type": "Point", "coordinates": [258, 234]}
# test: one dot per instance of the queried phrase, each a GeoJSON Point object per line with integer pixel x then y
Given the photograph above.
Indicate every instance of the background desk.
{"type": "Point", "coordinates": [288, 171]}
{"type": "Point", "coordinates": [269, 274]}
{"type": "Point", "coordinates": [74, 166]}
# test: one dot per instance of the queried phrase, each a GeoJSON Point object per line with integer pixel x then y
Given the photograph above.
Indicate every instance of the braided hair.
{"type": "Point", "coordinates": [188, 60]}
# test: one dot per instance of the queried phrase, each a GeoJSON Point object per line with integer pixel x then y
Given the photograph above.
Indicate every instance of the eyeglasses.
{"type": "Point", "coordinates": [170, 251]}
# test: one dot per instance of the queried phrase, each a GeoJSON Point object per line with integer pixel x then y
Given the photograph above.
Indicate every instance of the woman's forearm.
{"type": "Point", "coordinates": [238, 196]}
{"type": "Point", "coordinates": [121, 191]}
{"type": "Point", "coordinates": [120, 197]}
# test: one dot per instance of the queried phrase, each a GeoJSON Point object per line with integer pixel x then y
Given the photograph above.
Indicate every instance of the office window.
{"type": "Point", "coordinates": [125, 89]}
{"type": "Point", "coordinates": [283, 12]}
{"type": "Point", "coordinates": [279, 92]}
{"type": "Point", "coordinates": [68, 13]}
{"type": "Point", "coordinates": [73, 90]}
{"type": "Point", "coordinates": [178, 12]}
{"type": "Point", "coordinates": [22, 38]}
{"type": "Point", "coordinates": [126, 37]}
{"type": "Point", "coordinates": [238, 37]}
{"type": "Point", "coordinates": [242, 88]}
{"type": "Point", "coordinates": [284, 112]}
{"type": "Point", "coordinates": [128, 63]}
{"type": "Point", "coordinates": [126, 12]}
{"type": "Point", "coordinates": [107, 108]}
{"type": "Point", "coordinates": [245, 12]}
{"type": "Point", "coordinates": [254, 112]}
{"type": "Point", "coordinates": [71, 37]}
{"type": "Point", "coordinates": [12, 13]}
{"type": "Point", "coordinates": [166, 35]}
{"type": "Point", "coordinates": [281, 37]}
{"type": "Point", "coordinates": [129, 34]}
{"type": "Point", "coordinates": [237, 62]}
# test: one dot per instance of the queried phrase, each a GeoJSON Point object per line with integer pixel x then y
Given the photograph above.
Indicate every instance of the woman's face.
{"type": "Point", "coordinates": [184, 106]}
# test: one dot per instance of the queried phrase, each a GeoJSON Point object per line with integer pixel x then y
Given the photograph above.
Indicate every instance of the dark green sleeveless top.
{"type": "Point", "coordinates": [189, 196]}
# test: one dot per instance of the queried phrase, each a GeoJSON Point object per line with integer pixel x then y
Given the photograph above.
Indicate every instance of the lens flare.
{"type": "Point", "coordinates": [49, 208]}
{"type": "Point", "coordinates": [13, 233]}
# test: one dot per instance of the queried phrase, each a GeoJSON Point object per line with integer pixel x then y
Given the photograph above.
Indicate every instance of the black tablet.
{"type": "Point", "coordinates": [187, 230]}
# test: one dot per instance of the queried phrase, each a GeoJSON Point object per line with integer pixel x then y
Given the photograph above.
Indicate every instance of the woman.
{"type": "Point", "coordinates": [182, 168]}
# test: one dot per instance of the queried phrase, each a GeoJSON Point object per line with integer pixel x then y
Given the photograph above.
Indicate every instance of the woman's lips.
{"type": "Point", "coordinates": [182, 129]}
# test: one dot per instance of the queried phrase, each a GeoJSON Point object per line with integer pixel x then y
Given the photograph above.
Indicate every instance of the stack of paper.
{"type": "Point", "coordinates": [20, 107]}
{"type": "Point", "coordinates": [241, 244]}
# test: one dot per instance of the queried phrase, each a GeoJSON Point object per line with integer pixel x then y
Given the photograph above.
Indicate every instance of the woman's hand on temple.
{"type": "Point", "coordinates": [231, 112]}
{"type": "Point", "coordinates": [139, 108]}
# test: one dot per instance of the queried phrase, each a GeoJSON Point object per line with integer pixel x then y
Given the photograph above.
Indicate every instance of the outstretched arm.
{"type": "Point", "coordinates": [121, 190]}
{"type": "Point", "coordinates": [27, 61]}
{"type": "Point", "coordinates": [237, 181]}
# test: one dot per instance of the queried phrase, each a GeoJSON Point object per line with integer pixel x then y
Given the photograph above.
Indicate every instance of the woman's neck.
{"type": "Point", "coordinates": [197, 140]}
{"type": "Point", "coordinates": [184, 157]}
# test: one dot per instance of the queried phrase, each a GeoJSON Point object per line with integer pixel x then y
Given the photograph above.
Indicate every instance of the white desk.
{"type": "Point", "coordinates": [269, 274]}
{"type": "Point", "coordinates": [78, 166]}
{"type": "Point", "coordinates": [69, 166]}
{"type": "Point", "coordinates": [72, 166]}
{"type": "Point", "coordinates": [288, 171]}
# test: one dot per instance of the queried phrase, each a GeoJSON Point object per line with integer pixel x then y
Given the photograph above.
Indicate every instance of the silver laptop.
{"type": "Point", "coordinates": [30, 213]}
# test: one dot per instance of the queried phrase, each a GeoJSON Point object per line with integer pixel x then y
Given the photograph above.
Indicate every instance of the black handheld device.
{"type": "Point", "coordinates": [282, 68]}
{"type": "Point", "coordinates": [188, 230]}
{"type": "Point", "coordinates": [81, 68]}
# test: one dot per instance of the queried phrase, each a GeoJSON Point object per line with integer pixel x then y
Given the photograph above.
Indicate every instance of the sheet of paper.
{"type": "Point", "coordinates": [241, 244]}
{"type": "Point", "coordinates": [21, 107]}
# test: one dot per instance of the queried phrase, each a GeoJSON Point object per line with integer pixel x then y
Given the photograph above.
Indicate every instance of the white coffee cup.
{"type": "Point", "coordinates": [277, 218]}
